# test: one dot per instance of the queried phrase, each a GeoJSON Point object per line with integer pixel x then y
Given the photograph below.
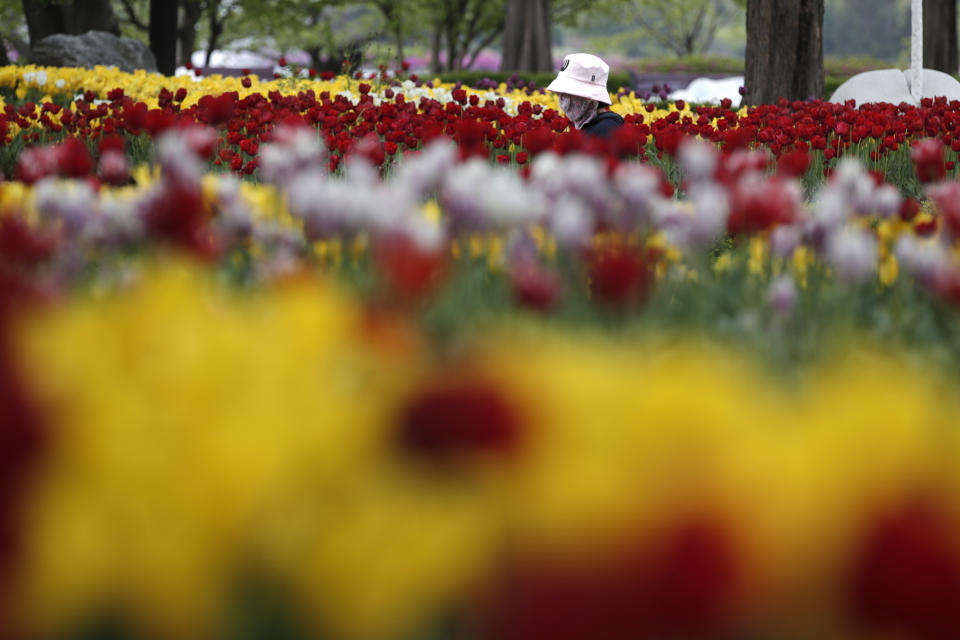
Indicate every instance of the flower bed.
{"type": "Point", "coordinates": [340, 358]}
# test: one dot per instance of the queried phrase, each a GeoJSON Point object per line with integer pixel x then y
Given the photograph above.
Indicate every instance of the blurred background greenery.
{"type": "Point", "coordinates": [697, 36]}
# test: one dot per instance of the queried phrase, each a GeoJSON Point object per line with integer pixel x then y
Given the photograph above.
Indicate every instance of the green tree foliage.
{"type": "Point", "coordinates": [13, 29]}
{"type": "Point", "coordinates": [400, 20]}
{"type": "Point", "coordinates": [460, 29]}
{"type": "Point", "coordinates": [867, 28]}
{"type": "Point", "coordinates": [203, 20]}
{"type": "Point", "coordinates": [682, 27]}
{"type": "Point", "coordinates": [331, 31]}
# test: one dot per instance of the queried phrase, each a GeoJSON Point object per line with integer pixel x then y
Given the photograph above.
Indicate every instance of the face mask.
{"type": "Point", "coordinates": [578, 110]}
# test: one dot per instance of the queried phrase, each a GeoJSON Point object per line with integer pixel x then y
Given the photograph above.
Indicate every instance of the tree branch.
{"type": "Point", "coordinates": [483, 44]}
{"type": "Point", "coordinates": [132, 18]}
{"type": "Point", "coordinates": [691, 35]}
{"type": "Point", "coordinates": [468, 33]}
{"type": "Point", "coordinates": [657, 35]}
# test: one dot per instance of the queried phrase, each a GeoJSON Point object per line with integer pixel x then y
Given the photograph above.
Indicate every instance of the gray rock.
{"type": "Point", "coordinates": [91, 49]}
{"type": "Point", "coordinates": [893, 86]}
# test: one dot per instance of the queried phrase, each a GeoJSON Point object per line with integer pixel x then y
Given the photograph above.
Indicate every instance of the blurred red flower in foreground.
{"type": "Point", "coordinates": [371, 148]}
{"type": "Point", "coordinates": [177, 214]}
{"type": "Point", "coordinates": [907, 577]}
{"type": "Point", "coordinates": [409, 270]}
{"type": "Point", "coordinates": [760, 205]}
{"type": "Point", "coordinates": [685, 585]}
{"type": "Point", "coordinates": [947, 198]}
{"type": "Point", "coordinates": [928, 157]}
{"type": "Point", "coordinates": [538, 139]}
{"type": "Point", "coordinates": [21, 435]}
{"type": "Point", "coordinates": [21, 245]}
{"type": "Point", "coordinates": [909, 209]}
{"type": "Point", "coordinates": [471, 136]}
{"type": "Point", "coordinates": [535, 286]}
{"type": "Point", "coordinates": [465, 414]}
{"type": "Point", "coordinates": [619, 275]}
{"type": "Point", "coordinates": [74, 158]}
{"type": "Point", "coordinates": [794, 164]}
{"type": "Point", "coordinates": [629, 140]}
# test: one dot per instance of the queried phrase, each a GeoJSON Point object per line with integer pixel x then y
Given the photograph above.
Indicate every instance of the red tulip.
{"type": "Point", "coordinates": [686, 584]}
{"type": "Point", "coordinates": [534, 286]}
{"type": "Point", "coordinates": [906, 578]}
{"type": "Point", "coordinates": [618, 275]}
{"type": "Point", "coordinates": [409, 270]}
{"type": "Point", "coordinates": [463, 414]}
{"type": "Point", "coordinates": [928, 158]}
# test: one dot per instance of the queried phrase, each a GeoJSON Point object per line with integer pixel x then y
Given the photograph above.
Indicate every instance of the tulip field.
{"type": "Point", "coordinates": [373, 358]}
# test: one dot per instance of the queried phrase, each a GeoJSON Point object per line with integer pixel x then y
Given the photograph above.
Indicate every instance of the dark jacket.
{"type": "Point", "coordinates": [603, 125]}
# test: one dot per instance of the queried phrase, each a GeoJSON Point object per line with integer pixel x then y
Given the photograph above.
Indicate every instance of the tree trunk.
{"type": "Point", "coordinates": [318, 63]}
{"type": "Point", "coordinates": [450, 37]}
{"type": "Point", "coordinates": [436, 45]}
{"type": "Point", "coordinates": [398, 38]}
{"type": "Point", "coordinates": [526, 36]}
{"type": "Point", "coordinates": [163, 34]}
{"type": "Point", "coordinates": [394, 19]}
{"type": "Point", "coordinates": [216, 28]}
{"type": "Point", "coordinates": [940, 35]}
{"type": "Point", "coordinates": [186, 43]}
{"type": "Point", "coordinates": [187, 33]}
{"type": "Point", "coordinates": [784, 57]}
{"type": "Point", "coordinates": [4, 56]}
{"type": "Point", "coordinates": [91, 15]}
{"type": "Point", "coordinates": [43, 19]}
{"type": "Point", "coordinates": [46, 17]}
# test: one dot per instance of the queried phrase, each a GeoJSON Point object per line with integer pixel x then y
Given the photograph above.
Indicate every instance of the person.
{"type": "Point", "coordinates": [581, 88]}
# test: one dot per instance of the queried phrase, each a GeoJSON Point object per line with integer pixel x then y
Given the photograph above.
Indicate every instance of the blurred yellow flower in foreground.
{"type": "Point", "coordinates": [181, 415]}
{"type": "Point", "coordinates": [202, 436]}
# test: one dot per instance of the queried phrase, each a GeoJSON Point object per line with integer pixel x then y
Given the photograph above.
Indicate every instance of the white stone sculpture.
{"type": "Point", "coordinates": [896, 86]}
{"type": "Point", "coordinates": [704, 90]}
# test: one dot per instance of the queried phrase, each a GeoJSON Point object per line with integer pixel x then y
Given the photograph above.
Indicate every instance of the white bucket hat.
{"type": "Point", "coordinates": [584, 75]}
